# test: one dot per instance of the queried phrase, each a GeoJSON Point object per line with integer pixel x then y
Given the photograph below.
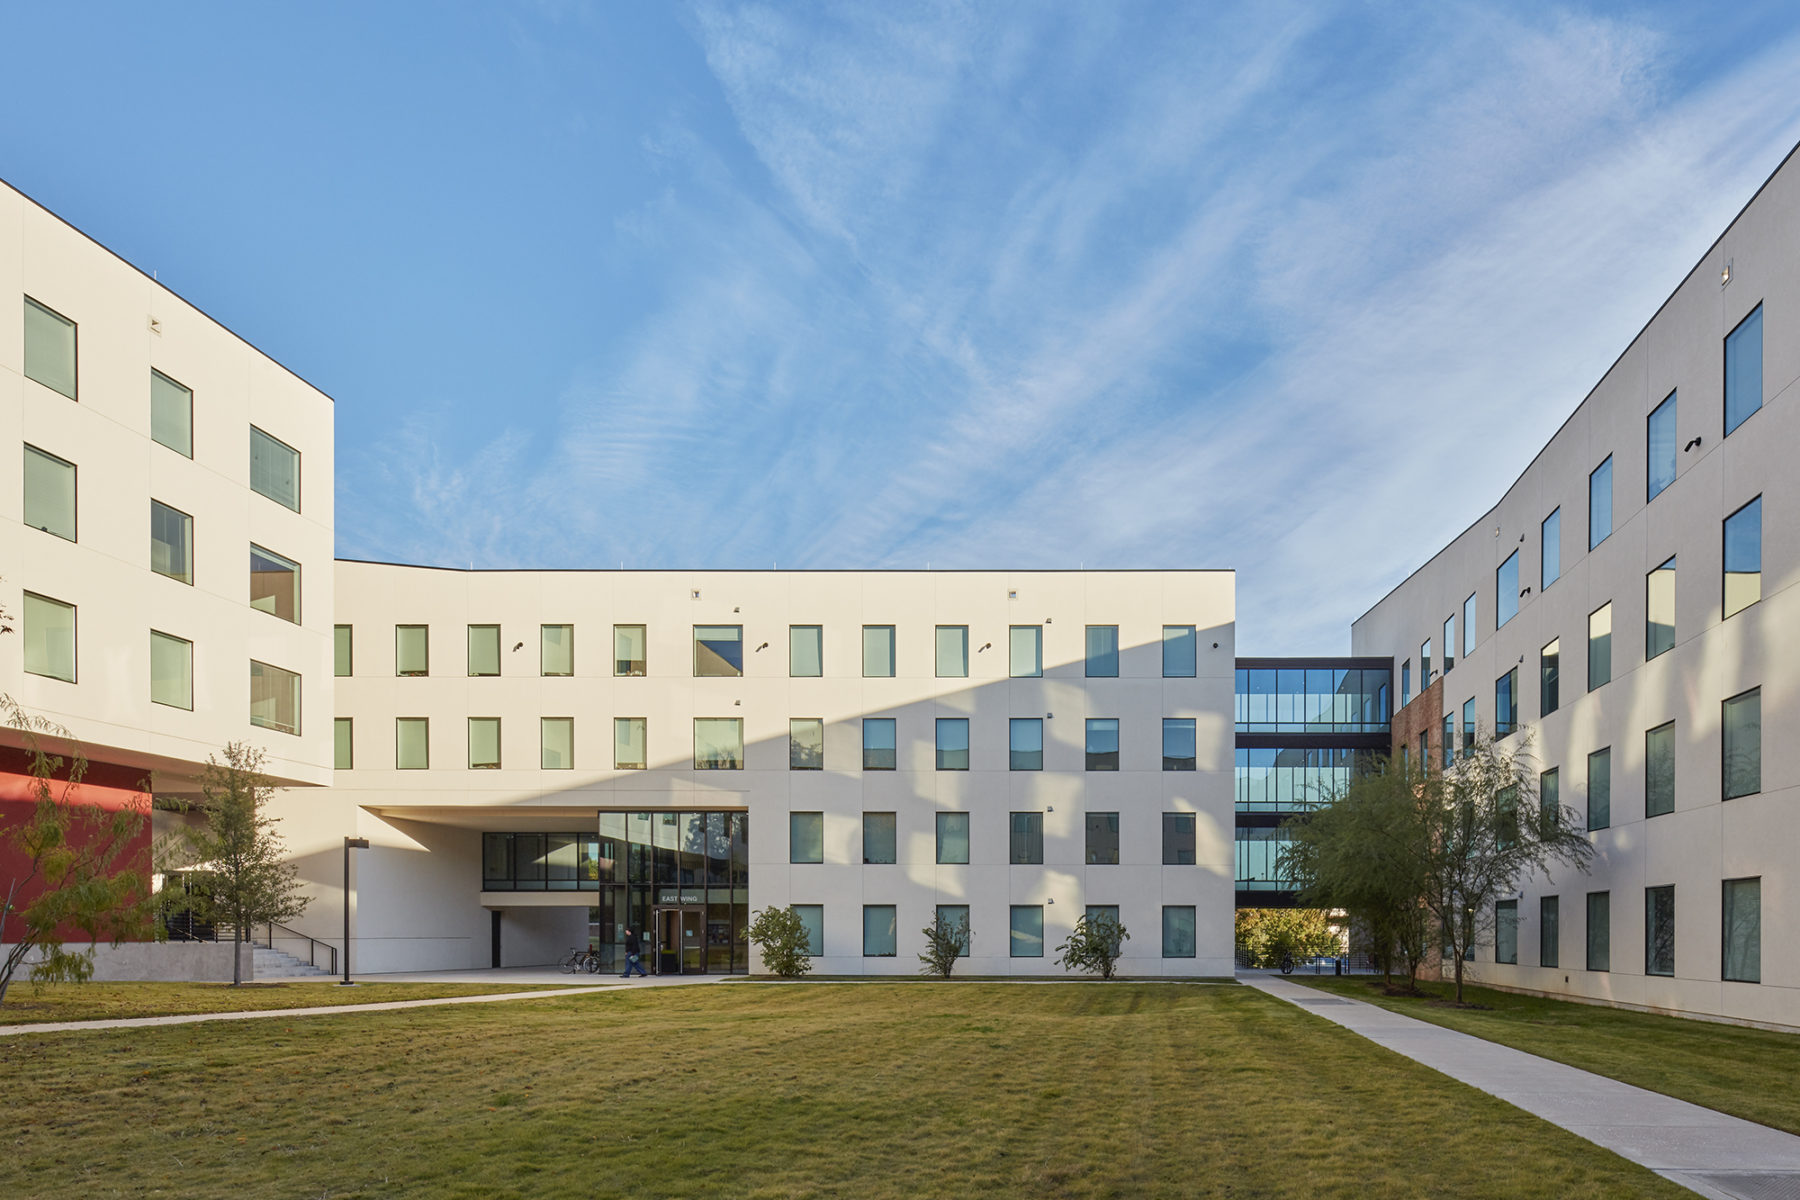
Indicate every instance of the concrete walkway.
{"type": "Point", "coordinates": [1706, 1151]}
{"type": "Point", "coordinates": [593, 984]}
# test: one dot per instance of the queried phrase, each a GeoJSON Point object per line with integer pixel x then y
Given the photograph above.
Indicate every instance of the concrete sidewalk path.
{"type": "Point", "coordinates": [1706, 1151]}
{"type": "Point", "coordinates": [328, 1010]}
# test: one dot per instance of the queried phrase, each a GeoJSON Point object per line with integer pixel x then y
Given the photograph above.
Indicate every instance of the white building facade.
{"type": "Point", "coordinates": [1629, 606]}
{"type": "Point", "coordinates": [532, 752]}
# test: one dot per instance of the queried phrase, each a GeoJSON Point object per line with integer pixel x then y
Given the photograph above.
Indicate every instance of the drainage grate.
{"type": "Point", "coordinates": [1754, 1185]}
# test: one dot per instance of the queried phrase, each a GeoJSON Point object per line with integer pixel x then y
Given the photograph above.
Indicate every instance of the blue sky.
{"type": "Point", "coordinates": [893, 285]}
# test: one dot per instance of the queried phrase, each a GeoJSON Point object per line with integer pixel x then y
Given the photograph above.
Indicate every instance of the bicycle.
{"type": "Point", "coordinates": [577, 961]}
{"type": "Point", "coordinates": [1287, 964]}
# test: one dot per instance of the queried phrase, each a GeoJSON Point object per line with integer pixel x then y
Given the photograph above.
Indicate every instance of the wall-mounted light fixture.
{"type": "Point", "coordinates": [1690, 445]}
{"type": "Point", "coordinates": [1525, 591]}
{"type": "Point", "coordinates": [762, 647]}
{"type": "Point", "coordinates": [1012, 593]}
{"type": "Point", "coordinates": [1725, 273]}
{"type": "Point", "coordinates": [696, 593]}
{"type": "Point", "coordinates": [517, 646]}
{"type": "Point", "coordinates": [985, 646]}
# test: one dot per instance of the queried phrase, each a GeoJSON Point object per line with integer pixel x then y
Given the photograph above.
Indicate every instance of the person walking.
{"type": "Point", "coordinates": [633, 949]}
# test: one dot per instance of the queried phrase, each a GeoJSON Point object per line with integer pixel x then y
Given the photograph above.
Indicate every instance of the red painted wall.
{"type": "Point", "coordinates": [105, 786]}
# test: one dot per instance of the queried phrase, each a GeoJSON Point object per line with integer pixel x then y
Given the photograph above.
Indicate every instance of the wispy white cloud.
{"type": "Point", "coordinates": [1086, 287]}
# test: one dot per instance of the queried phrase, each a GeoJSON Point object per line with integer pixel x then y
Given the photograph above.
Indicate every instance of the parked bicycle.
{"type": "Point", "coordinates": [580, 960]}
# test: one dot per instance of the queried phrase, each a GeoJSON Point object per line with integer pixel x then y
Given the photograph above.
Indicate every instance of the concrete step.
{"type": "Point", "coordinates": [278, 964]}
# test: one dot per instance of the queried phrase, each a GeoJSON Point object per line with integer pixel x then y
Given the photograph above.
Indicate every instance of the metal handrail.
{"type": "Point", "coordinates": [313, 946]}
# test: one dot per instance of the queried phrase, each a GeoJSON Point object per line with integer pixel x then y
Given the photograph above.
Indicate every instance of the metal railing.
{"type": "Point", "coordinates": [313, 946]}
{"type": "Point", "coordinates": [184, 927]}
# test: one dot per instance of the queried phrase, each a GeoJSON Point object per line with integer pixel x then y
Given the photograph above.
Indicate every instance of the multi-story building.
{"type": "Point", "coordinates": [165, 527]}
{"type": "Point", "coordinates": [529, 751]}
{"type": "Point", "coordinates": [1627, 613]}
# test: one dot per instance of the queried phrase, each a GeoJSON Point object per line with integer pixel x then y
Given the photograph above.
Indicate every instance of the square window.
{"type": "Point", "coordinates": [1550, 549]}
{"type": "Point", "coordinates": [718, 651]}
{"type": "Point", "coordinates": [171, 543]}
{"type": "Point", "coordinates": [1506, 931]}
{"type": "Point", "coordinates": [1599, 931]}
{"type": "Point", "coordinates": [880, 751]}
{"type": "Point", "coordinates": [1599, 789]}
{"type": "Point", "coordinates": [1025, 744]}
{"type": "Point", "coordinates": [484, 650]}
{"type": "Point", "coordinates": [171, 414]}
{"type": "Point", "coordinates": [171, 671]}
{"type": "Point", "coordinates": [806, 651]}
{"type": "Point", "coordinates": [812, 921]}
{"type": "Point", "coordinates": [1103, 743]}
{"type": "Point", "coordinates": [806, 837]}
{"type": "Point", "coordinates": [878, 651]}
{"type": "Point", "coordinates": [1743, 557]}
{"type": "Point", "coordinates": [1741, 745]}
{"type": "Point", "coordinates": [1659, 448]}
{"type": "Point", "coordinates": [1102, 651]}
{"type": "Point", "coordinates": [952, 743]}
{"type": "Point", "coordinates": [1027, 940]}
{"type": "Point", "coordinates": [1025, 845]}
{"type": "Point", "coordinates": [556, 743]}
{"type": "Point", "coordinates": [952, 651]}
{"type": "Point", "coordinates": [343, 645]}
{"type": "Point", "coordinates": [1549, 677]}
{"type": "Point", "coordinates": [556, 649]}
{"type": "Point", "coordinates": [880, 924]}
{"type": "Point", "coordinates": [952, 838]}
{"type": "Point", "coordinates": [1103, 839]}
{"type": "Point", "coordinates": [628, 649]}
{"type": "Point", "coordinates": [274, 698]}
{"type": "Point", "coordinates": [484, 743]}
{"type": "Point", "coordinates": [1743, 370]}
{"type": "Point", "coordinates": [1659, 770]}
{"type": "Point", "coordinates": [343, 743]}
{"type": "Point", "coordinates": [274, 469]}
{"type": "Point", "coordinates": [631, 743]}
{"type": "Point", "coordinates": [1026, 654]}
{"type": "Point", "coordinates": [1179, 840]}
{"type": "Point", "coordinates": [1659, 611]}
{"type": "Point", "coordinates": [1180, 652]}
{"type": "Point", "coordinates": [1180, 740]}
{"type": "Point", "coordinates": [1742, 940]}
{"type": "Point", "coordinates": [1659, 930]}
{"type": "Point", "coordinates": [1549, 932]}
{"type": "Point", "coordinates": [1600, 647]}
{"type": "Point", "coordinates": [49, 348]}
{"type": "Point", "coordinates": [1600, 503]}
{"type": "Point", "coordinates": [1178, 931]}
{"type": "Point", "coordinates": [274, 584]}
{"type": "Point", "coordinates": [412, 744]}
{"type": "Point", "coordinates": [880, 839]}
{"type": "Point", "coordinates": [718, 743]}
{"type": "Point", "coordinates": [49, 493]}
{"type": "Point", "coordinates": [412, 650]}
{"type": "Point", "coordinates": [1506, 590]}
{"type": "Point", "coordinates": [806, 744]}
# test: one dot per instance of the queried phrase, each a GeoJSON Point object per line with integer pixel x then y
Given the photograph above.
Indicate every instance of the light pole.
{"type": "Point", "coordinates": [350, 844]}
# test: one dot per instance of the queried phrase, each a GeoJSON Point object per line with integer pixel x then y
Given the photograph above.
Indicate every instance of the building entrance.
{"type": "Point", "coordinates": [680, 941]}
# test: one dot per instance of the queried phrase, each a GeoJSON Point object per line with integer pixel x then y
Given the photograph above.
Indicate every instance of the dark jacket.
{"type": "Point", "coordinates": [632, 945]}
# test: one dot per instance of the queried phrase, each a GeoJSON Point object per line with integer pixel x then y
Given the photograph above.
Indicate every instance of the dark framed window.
{"type": "Point", "coordinates": [1550, 549]}
{"type": "Point", "coordinates": [1025, 744]}
{"type": "Point", "coordinates": [1102, 743]}
{"type": "Point", "coordinates": [1102, 651]}
{"type": "Point", "coordinates": [1599, 789]}
{"type": "Point", "coordinates": [1741, 939]}
{"type": "Point", "coordinates": [1506, 931]}
{"type": "Point", "coordinates": [1600, 647]}
{"type": "Point", "coordinates": [1103, 839]}
{"type": "Point", "coordinates": [1659, 930]}
{"type": "Point", "coordinates": [1743, 558]}
{"type": "Point", "coordinates": [1550, 677]}
{"type": "Point", "coordinates": [1743, 370]}
{"type": "Point", "coordinates": [953, 743]}
{"type": "Point", "coordinates": [1741, 745]}
{"type": "Point", "coordinates": [1025, 844]}
{"type": "Point", "coordinates": [1179, 744]}
{"type": "Point", "coordinates": [1659, 448]}
{"type": "Point", "coordinates": [806, 837]}
{"type": "Point", "coordinates": [1659, 610]}
{"type": "Point", "coordinates": [1600, 506]}
{"type": "Point", "coordinates": [1549, 931]}
{"type": "Point", "coordinates": [1659, 770]}
{"type": "Point", "coordinates": [880, 747]}
{"type": "Point", "coordinates": [1179, 839]}
{"type": "Point", "coordinates": [1599, 931]}
{"type": "Point", "coordinates": [880, 838]}
{"type": "Point", "coordinates": [952, 838]}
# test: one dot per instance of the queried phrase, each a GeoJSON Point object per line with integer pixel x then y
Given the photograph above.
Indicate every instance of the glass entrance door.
{"type": "Point", "coordinates": [681, 940]}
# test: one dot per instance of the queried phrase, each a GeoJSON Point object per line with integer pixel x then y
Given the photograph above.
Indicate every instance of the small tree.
{"type": "Point", "coordinates": [250, 880]}
{"type": "Point", "coordinates": [781, 936]}
{"type": "Point", "coordinates": [73, 869]}
{"type": "Point", "coordinates": [1265, 935]}
{"type": "Point", "coordinates": [1094, 945]}
{"type": "Point", "coordinates": [945, 942]}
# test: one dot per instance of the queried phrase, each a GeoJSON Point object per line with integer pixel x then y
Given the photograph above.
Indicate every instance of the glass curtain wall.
{"type": "Point", "coordinates": [633, 863]}
{"type": "Point", "coordinates": [1312, 700]}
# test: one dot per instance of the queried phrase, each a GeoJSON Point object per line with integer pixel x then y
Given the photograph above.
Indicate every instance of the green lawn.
{"type": "Point", "coordinates": [26, 1005]}
{"type": "Point", "coordinates": [1749, 1073]}
{"type": "Point", "coordinates": [866, 1091]}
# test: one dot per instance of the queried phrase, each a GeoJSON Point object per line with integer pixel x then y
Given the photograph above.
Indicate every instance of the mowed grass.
{"type": "Point", "coordinates": [1749, 1073]}
{"type": "Point", "coordinates": [767, 1090]}
{"type": "Point", "coordinates": [26, 1005]}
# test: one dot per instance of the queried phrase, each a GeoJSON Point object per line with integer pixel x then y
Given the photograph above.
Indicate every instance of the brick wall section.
{"type": "Point", "coordinates": [1424, 715]}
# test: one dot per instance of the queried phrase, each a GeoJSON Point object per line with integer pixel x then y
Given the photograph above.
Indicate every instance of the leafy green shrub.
{"type": "Point", "coordinates": [1093, 945]}
{"type": "Point", "coordinates": [945, 942]}
{"type": "Point", "coordinates": [783, 940]}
